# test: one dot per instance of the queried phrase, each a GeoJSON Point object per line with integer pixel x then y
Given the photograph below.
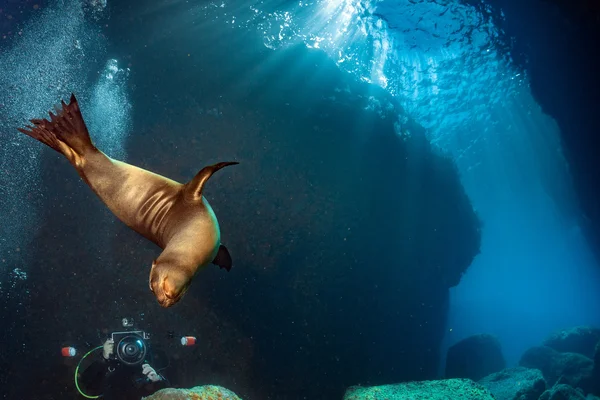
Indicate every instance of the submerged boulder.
{"type": "Point", "coordinates": [516, 383]}
{"type": "Point", "coordinates": [595, 378]}
{"type": "Point", "coordinates": [580, 339]}
{"type": "Point", "coordinates": [208, 392]}
{"type": "Point", "coordinates": [570, 368]}
{"type": "Point", "coordinates": [465, 389]}
{"type": "Point", "coordinates": [475, 357]}
{"type": "Point", "coordinates": [563, 392]}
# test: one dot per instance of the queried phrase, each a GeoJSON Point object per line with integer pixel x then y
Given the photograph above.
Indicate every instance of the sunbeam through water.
{"type": "Point", "coordinates": [445, 63]}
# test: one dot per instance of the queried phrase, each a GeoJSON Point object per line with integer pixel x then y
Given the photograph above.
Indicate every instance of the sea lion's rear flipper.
{"type": "Point", "coordinates": [193, 189]}
{"type": "Point", "coordinates": [223, 258]}
{"type": "Point", "coordinates": [65, 132]}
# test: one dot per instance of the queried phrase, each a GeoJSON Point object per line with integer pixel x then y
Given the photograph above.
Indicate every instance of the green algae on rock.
{"type": "Point", "coordinates": [446, 389]}
{"type": "Point", "coordinates": [516, 383]}
{"type": "Point", "coordinates": [208, 392]}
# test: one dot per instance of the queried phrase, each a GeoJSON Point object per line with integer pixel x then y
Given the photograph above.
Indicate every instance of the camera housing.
{"type": "Point", "coordinates": [130, 347]}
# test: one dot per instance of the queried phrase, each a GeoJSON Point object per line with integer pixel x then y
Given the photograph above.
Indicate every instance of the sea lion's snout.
{"type": "Point", "coordinates": [167, 285]}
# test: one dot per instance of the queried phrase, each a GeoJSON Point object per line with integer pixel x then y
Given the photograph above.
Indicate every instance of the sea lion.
{"type": "Point", "coordinates": [174, 216]}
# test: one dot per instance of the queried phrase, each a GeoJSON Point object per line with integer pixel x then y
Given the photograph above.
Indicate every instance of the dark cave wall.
{"type": "Point", "coordinates": [558, 44]}
{"type": "Point", "coordinates": [345, 236]}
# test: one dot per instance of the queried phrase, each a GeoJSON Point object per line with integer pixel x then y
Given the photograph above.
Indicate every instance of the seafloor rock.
{"type": "Point", "coordinates": [580, 339]}
{"type": "Point", "coordinates": [571, 368]}
{"type": "Point", "coordinates": [465, 389]}
{"type": "Point", "coordinates": [562, 392]}
{"type": "Point", "coordinates": [516, 383]}
{"type": "Point", "coordinates": [595, 380]}
{"type": "Point", "coordinates": [208, 392]}
{"type": "Point", "coordinates": [475, 357]}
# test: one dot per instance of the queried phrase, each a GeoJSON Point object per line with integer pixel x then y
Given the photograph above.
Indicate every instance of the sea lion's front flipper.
{"type": "Point", "coordinates": [223, 258]}
{"type": "Point", "coordinates": [193, 189]}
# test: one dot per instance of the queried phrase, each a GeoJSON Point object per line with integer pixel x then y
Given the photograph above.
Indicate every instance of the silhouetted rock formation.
{"type": "Point", "coordinates": [595, 378]}
{"type": "Point", "coordinates": [569, 368]}
{"type": "Point", "coordinates": [569, 375]}
{"type": "Point", "coordinates": [579, 11]}
{"type": "Point", "coordinates": [557, 42]}
{"type": "Point", "coordinates": [346, 232]}
{"type": "Point", "coordinates": [474, 357]}
{"type": "Point", "coordinates": [580, 339]}
{"type": "Point", "coordinates": [516, 383]}
{"type": "Point", "coordinates": [346, 235]}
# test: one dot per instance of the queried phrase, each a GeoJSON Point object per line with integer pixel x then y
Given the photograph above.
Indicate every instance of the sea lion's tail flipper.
{"type": "Point", "coordinates": [65, 132]}
{"type": "Point", "coordinates": [193, 189]}
{"type": "Point", "coordinates": [223, 258]}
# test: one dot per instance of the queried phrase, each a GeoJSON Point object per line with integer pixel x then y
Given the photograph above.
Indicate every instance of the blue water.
{"type": "Point", "coordinates": [58, 50]}
{"type": "Point", "coordinates": [442, 61]}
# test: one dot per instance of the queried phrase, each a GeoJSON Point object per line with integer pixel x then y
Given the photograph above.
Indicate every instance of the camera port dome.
{"type": "Point", "coordinates": [131, 350]}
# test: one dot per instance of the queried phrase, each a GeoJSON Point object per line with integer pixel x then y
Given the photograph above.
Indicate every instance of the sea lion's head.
{"type": "Point", "coordinates": [168, 283]}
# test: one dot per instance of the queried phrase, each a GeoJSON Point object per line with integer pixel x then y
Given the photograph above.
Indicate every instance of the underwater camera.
{"type": "Point", "coordinates": [130, 347]}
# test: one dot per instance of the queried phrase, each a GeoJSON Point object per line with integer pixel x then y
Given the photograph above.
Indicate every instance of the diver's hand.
{"type": "Point", "coordinates": [150, 373]}
{"type": "Point", "coordinates": [109, 346]}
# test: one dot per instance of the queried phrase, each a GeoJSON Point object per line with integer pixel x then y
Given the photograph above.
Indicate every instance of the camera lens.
{"type": "Point", "coordinates": [131, 350]}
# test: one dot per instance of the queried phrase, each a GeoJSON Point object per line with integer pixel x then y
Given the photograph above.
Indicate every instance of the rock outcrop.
{"type": "Point", "coordinates": [464, 389]}
{"type": "Point", "coordinates": [563, 392]}
{"type": "Point", "coordinates": [516, 383]}
{"type": "Point", "coordinates": [580, 339]}
{"type": "Point", "coordinates": [208, 392]}
{"type": "Point", "coordinates": [561, 58]}
{"type": "Point", "coordinates": [475, 357]}
{"type": "Point", "coordinates": [566, 368]}
{"type": "Point", "coordinates": [595, 379]}
{"type": "Point", "coordinates": [345, 234]}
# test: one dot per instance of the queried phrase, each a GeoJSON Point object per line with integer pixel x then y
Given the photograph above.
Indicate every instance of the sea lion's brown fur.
{"type": "Point", "coordinates": [174, 216]}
